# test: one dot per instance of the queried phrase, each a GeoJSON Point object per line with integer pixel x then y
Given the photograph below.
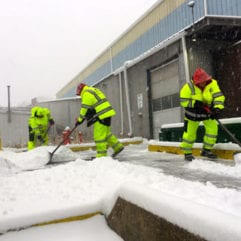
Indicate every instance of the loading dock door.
{"type": "Point", "coordinates": [165, 96]}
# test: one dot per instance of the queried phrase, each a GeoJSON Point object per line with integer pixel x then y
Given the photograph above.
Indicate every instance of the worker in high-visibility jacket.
{"type": "Point", "coordinates": [97, 110]}
{"type": "Point", "coordinates": [203, 101]}
{"type": "Point", "coordinates": [38, 124]}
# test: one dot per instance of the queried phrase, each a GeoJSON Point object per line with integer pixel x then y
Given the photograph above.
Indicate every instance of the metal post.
{"type": "Point", "coordinates": [191, 4]}
{"type": "Point", "coordinates": [9, 106]}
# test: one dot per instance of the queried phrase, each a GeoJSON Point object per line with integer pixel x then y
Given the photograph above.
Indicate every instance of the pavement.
{"type": "Point", "coordinates": [171, 164]}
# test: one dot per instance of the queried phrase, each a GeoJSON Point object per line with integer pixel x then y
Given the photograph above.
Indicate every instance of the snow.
{"type": "Point", "coordinates": [216, 168]}
{"type": "Point", "coordinates": [16, 162]}
{"type": "Point", "coordinates": [74, 231]}
{"type": "Point", "coordinates": [237, 158]}
{"type": "Point", "coordinates": [81, 187]}
{"type": "Point", "coordinates": [218, 146]}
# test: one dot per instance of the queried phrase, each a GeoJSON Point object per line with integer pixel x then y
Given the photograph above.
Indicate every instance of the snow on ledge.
{"type": "Point", "coordinates": [217, 146]}
{"type": "Point", "coordinates": [191, 216]}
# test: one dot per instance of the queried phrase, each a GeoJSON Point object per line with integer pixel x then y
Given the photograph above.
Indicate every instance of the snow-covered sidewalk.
{"type": "Point", "coordinates": [80, 187]}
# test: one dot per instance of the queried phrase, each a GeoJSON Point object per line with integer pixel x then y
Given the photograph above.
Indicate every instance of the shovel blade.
{"type": "Point", "coordinates": [50, 157]}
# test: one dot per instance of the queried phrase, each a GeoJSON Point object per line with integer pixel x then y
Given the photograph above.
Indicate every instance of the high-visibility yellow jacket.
{"type": "Point", "coordinates": [94, 105]}
{"type": "Point", "coordinates": [211, 96]}
{"type": "Point", "coordinates": [37, 125]}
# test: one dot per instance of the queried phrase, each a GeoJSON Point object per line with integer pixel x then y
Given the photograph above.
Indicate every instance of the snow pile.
{"type": "Point", "coordinates": [81, 187]}
{"type": "Point", "coordinates": [63, 154]}
{"type": "Point", "coordinates": [6, 166]}
{"type": "Point", "coordinates": [237, 158]}
{"type": "Point", "coordinates": [15, 162]}
{"type": "Point", "coordinates": [216, 168]}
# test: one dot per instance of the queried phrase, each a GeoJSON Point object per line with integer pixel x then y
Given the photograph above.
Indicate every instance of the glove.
{"type": "Point", "coordinates": [40, 138]}
{"type": "Point", "coordinates": [198, 104]}
{"type": "Point", "coordinates": [77, 123]}
{"type": "Point", "coordinates": [215, 113]}
{"type": "Point", "coordinates": [51, 122]}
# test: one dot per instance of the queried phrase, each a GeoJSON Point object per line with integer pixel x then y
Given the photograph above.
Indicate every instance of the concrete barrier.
{"type": "Point", "coordinates": [222, 150]}
{"type": "Point", "coordinates": [91, 146]}
{"type": "Point", "coordinates": [134, 223]}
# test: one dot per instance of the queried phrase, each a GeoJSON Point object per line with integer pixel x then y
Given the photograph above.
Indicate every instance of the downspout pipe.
{"type": "Point", "coordinates": [121, 105]}
{"type": "Point", "coordinates": [128, 99]}
{"type": "Point", "coordinates": [186, 66]}
{"type": "Point", "coordinates": [185, 56]}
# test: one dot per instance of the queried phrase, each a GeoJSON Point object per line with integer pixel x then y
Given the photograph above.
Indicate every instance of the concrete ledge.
{"type": "Point", "coordinates": [146, 214]}
{"type": "Point", "coordinates": [220, 150]}
{"type": "Point", "coordinates": [133, 223]}
{"type": "Point", "coordinates": [91, 146]}
{"type": "Point", "coordinates": [31, 221]}
{"type": "Point", "coordinates": [69, 219]}
{"type": "Point", "coordinates": [83, 147]}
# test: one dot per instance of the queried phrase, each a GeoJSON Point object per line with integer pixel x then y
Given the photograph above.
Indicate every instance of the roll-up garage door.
{"type": "Point", "coordinates": [165, 95]}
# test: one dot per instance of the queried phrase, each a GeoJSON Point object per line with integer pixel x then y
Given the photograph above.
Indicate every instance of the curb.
{"type": "Point", "coordinates": [225, 154]}
{"type": "Point", "coordinates": [92, 146]}
{"type": "Point", "coordinates": [69, 219]}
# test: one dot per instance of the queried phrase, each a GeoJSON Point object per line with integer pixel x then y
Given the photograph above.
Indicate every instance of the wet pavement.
{"type": "Point", "coordinates": [174, 165]}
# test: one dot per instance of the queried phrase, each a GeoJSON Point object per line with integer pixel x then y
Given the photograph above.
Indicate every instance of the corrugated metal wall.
{"type": "Point", "coordinates": [224, 7]}
{"type": "Point", "coordinates": [168, 17]}
{"type": "Point", "coordinates": [160, 23]}
{"type": "Point", "coordinates": [228, 72]}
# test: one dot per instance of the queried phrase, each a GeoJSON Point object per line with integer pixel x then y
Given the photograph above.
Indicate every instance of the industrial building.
{"type": "Point", "coordinates": [142, 71]}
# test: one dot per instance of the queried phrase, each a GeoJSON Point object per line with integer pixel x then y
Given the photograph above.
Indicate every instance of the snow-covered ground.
{"type": "Point", "coordinates": [80, 187]}
{"type": "Point", "coordinates": [92, 229]}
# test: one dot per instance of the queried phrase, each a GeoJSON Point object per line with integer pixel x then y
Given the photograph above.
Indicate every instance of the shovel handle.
{"type": "Point", "coordinates": [52, 153]}
{"type": "Point", "coordinates": [234, 139]}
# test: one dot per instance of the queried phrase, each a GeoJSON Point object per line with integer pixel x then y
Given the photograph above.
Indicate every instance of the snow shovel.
{"type": "Point", "coordinates": [52, 153]}
{"type": "Point", "coordinates": [234, 139]}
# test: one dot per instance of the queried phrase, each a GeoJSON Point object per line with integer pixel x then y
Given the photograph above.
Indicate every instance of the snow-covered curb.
{"type": "Point", "coordinates": [181, 212]}
{"type": "Point", "coordinates": [217, 146]}
{"type": "Point", "coordinates": [191, 216]}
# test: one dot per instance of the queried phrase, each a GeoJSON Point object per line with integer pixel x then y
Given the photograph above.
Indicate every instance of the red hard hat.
{"type": "Point", "coordinates": [80, 88]}
{"type": "Point", "coordinates": [200, 76]}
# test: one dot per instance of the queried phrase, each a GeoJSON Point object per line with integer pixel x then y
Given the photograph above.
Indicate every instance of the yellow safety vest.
{"type": "Point", "coordinates": [94, 101]}
{"type": "Point", "coordinates": [211, 96]}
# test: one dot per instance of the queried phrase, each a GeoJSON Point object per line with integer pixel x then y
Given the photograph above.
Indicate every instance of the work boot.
{"type": "Point", "coordinates": [189, 157]}
{"type": "Point", "coordinates": [117, 152]}
{"type": "Point", "coordinates": [207, 153]}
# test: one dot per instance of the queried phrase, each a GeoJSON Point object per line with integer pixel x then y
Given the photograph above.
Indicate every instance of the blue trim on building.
{"type": "Point", "coordinates": [224, 7]}
{"type": "Point", "coordinates": [176, 21]}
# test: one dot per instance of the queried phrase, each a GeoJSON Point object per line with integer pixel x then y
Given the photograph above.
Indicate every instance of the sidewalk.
{"type": "Point", "coordinates": [175, 165]}
{"type": "Point", "coordinates": [185, 194]}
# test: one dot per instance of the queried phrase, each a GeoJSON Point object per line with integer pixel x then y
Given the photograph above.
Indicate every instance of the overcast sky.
{"type": "Point", "coordinates": [46, 43]}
